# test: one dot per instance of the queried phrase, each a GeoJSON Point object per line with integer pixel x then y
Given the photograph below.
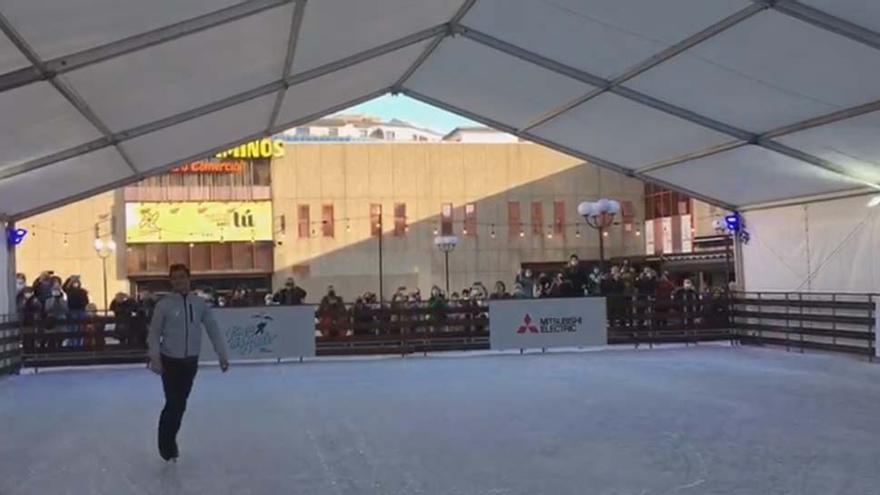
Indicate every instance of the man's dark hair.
{"type": "Point", "coordinates": [178, 267]}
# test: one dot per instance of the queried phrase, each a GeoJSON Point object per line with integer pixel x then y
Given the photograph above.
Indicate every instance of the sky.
{"type": "Point", "coordinates": [413, 111]}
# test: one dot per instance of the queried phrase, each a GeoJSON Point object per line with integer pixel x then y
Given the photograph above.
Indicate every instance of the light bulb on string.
{"type": "Point", "coordinates": [605, 233]}
{"type": "Point", "coordinates": [638, 233]}
{"type": "Point", "coordinates": [65, 240]}
{"type": "Point", "coordinates": [492, 232]}
{"type": "Point", "coordinates": [522, 233]}
{"type": "Point", "coordinates": [577, 233]}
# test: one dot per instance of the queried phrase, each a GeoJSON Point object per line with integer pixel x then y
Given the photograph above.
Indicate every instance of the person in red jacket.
{"type": "Point", "coordinates": [663, 300]}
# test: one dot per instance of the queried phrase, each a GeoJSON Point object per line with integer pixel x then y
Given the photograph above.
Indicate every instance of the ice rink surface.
{"type": "Point", "coordinates": [711, 420]}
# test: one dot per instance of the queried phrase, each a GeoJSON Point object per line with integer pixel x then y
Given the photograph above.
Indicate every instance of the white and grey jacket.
{"type": "Point", "coordinates": [176, 328]}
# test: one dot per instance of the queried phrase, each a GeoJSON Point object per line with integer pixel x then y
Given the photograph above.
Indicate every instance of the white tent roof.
{"type": "Point", "coordinates": [737, 102]}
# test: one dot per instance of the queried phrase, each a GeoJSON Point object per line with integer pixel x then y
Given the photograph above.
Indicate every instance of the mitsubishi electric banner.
{"type": "Point", "coordinates": [272, 332]}
{"type": "Point", "coordinates": [546, 323]}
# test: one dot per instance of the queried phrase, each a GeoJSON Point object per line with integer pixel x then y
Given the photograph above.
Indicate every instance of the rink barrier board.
{"type": "Point", "coordinates": [832, 322]}
{"type": "Point", "coordinates": [270, 332]}
{"type": "Point", "coordinates": [548, 323]}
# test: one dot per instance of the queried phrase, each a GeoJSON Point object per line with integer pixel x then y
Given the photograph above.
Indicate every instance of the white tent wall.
{"type": "Point", "coordinates": [7, 276]}
{"type": "Point", "coordinates": [825, 246]}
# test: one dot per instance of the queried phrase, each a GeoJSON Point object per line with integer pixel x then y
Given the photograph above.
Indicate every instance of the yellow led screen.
{"type": "Point", "coordinates": [209, 221]}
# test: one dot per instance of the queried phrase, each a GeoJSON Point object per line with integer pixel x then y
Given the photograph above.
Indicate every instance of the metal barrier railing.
{"type": "Point", "coordinates": [10, 345]}
{"type": "Point", "coordinates": [390, 329]}
{"type": "Point", "coordinates": [797, 320]}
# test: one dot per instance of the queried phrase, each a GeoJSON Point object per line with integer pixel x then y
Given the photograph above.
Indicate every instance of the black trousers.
{"type": "Point", "coordinates": [177, 381]}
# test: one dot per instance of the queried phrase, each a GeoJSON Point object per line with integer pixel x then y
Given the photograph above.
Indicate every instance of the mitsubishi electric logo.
{"type": "Point", "coordinates": [527, 325]}
{"type": "Point", "coordinates": [551, 324]}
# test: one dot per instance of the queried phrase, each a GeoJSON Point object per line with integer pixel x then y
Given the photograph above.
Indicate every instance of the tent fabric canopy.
{"type": "Point", "coordinates": [736, 102]}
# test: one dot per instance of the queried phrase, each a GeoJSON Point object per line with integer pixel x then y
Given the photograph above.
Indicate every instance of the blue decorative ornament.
{"type": "Point", "coordinates": [14, 237]}
{"type": "Point", "coordinates": [733, 222]}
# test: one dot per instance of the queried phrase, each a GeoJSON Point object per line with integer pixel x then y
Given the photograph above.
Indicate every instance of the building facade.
{"type": "Point", "coordinates": [254, 218]}
{"type": "Point", "coordinates": [358, 128]}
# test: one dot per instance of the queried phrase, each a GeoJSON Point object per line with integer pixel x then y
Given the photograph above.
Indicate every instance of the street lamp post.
{"type": "Point", "coordinates": [600, 215]}
{"type": "Point", "coordinates": [446, 244]}
{"type": "Point", "coordinates": [105, 249]}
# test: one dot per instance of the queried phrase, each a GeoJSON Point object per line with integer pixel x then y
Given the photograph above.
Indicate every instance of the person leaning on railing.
{"type": "Point", "coordinates": [333, 316]}
{"type": "Point", "coordinates": [291, 294]}
{"type": "Point", "coordinates": [362, 317]}
{"type": "Point", "coordinates": [437, 304]}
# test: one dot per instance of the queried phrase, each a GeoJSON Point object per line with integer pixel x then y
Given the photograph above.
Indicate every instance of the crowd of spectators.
{"type": "Point", "coordinates": [635, 297]}
{"type": "Point", "coordinates": [51, 306]}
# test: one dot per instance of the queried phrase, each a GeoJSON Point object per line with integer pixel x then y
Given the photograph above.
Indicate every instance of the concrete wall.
{"type": "Point", "coordinates": [351, 177]}
{"type": "Point", "coordinates": [822, 246]}
{"type": "Point", "coordinates": [424, 176]}
{"type": "Point", "coordinates": [45, 247]}
{"type": "Point", "coordinates": [704, 218]}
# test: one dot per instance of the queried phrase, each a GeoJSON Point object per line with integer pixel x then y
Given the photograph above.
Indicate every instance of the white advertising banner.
{"type": "Point", "coordinates": [687, 235]}
{"type": "Point", "coordinates": [271, 332]}
{"type": "Point", "coordinates": [547, 323]}
{"type": "Point", "coordinates": [649, 238]}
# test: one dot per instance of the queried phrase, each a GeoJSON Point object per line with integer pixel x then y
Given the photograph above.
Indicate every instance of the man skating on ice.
{"type": "Point", "coordinates": [174, 342]}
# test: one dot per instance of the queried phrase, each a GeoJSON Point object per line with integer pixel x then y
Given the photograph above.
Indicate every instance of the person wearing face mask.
{"type": "Point", "coordinates": [527, 280]}
{"type": "Point", "coordinates": [544, 286]}
{"type": "Point", "coordinates": [332, 309]}
{"type": "Point", "coordinates": [612, 289]}
{"type": "Point", "coordinates": [500, 291]}
{"type": "Point", "coordinates": [687, 300]}
{"type": "Point", "coordinates": [77, 300]}
{"type": "Point", "coordinates": [56, 313]}
{"type": "Point", "coordinates": [29, 310]}
{"type": "Point", "coordinates": [291, 294]}
{"type": "Point", "coordinates": [20, 286]}
{"type": "Point", "coordinates": [594, 282]}
{"type": "Point", "coordinates": [437, 306]}
{"type": "Point", "coordinates": [124, 311]}
{"type": "Point", "coordinates": [576, 274]}
{"type": "Point", "coordinates": [43, 286]}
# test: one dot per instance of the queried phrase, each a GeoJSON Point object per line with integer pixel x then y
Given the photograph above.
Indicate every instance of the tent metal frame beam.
{"type": "Point", "coordinates": [295, 25]}
{"type": "Point", "coordinates": [830, 118]}
{"type": "Point", "coordinates": [696, 155]}
{"type": "Point", "coordinates": [561, 148]}
{"type": "Point", "coordinates": [810, 199]}
{"type": "Point", "coordinates": [117, 48]}
{"type": "Point", "coordinates": [825, 21]}
{"type": "Point", "coordinates": [652, 102]}
{"type": "Point", "coordinates": [69, 94]}
{"type": "Point", "coordinates": [277, 86]}
{"type": "Point", "coordinates": [655, 60]}
{"type": "Point", "coordinates": [459, 15]}
{"type": "Point", "coordinates": [159, 170]}
{"type": "Point", "coordinates": [49, 70]}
